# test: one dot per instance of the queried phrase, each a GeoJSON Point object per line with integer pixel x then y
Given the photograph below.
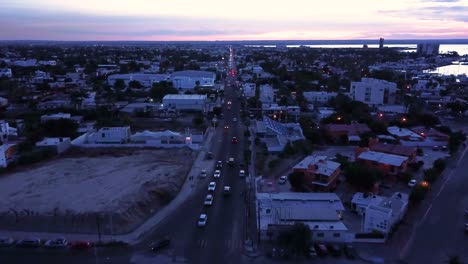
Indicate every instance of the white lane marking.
{"type": "Point", "coordinates": [427, 212]}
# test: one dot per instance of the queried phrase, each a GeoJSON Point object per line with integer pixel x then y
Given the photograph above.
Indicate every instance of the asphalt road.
{"type": "Point", "coordinates": [221, 241]}
{"type": "Point", "coordinates": [440, 232]}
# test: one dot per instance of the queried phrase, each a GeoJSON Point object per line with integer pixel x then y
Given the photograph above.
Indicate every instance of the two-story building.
{"type": "Point", "coordinates": [321, 173]}
{"type": "Point", "coordinates": [110, 135]}
{"type": "Point", "coordinates": [406, 151]}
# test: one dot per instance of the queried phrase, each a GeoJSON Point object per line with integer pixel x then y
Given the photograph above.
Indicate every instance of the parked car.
{"type": "Point", "coordinates": [234, 119]}
{"type": "Point", "coordinates": [226, 127]}
{"type": "Point", "coordinates": [435, 148]}
{"type": "Point", "coordinates": [80, 245]}
{"type": "Point", "coordinates": [242, 173]}
{"type": "Point", "coordinates": [30, 242]}
{"type": "Point", "coordinates": [412, 183]}
{"type": "Point", "coordinates": [234, 140]}
{"type": "Point", "coordinates": [212, 186]}
{"type": "Point", "coordinates": [217, 174]}
{"type": "Point", "coordinates": [203, 173]}
{"type": "Point", "coordinates": [219, 164]}
{"type": "Point", "coordinates": [158, 245]}
{"type": "Point", "coordinates": [6, 241]}
{"type": "Point", "coordinates": [334, 250]}
{"type": "Point", "coordinates": [312, 252]}
{"type": "Point", "coordinates": [231, 162]}
{"type": "Point", "coordinates": [56, 243]}
{"type": "Point", "coordinates": [208, 200]}
{"type": "Point", "coordinates": [202, 220]}
{"type": "Point", "coordinates": [282, 180]}
{"type": "Point", "coordinates": [209, 155]}
{"type": "Point", "coordinates": [350, 251]}
{"type": "Point", "coordinates": [322, 250]}
{"type": "Point", "coordinates": [227, 190]}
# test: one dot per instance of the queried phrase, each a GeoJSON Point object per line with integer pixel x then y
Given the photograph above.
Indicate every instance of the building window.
{"type": "Point", "coordinates": [336, 234]}
{"type": "Point", "coordinates": [103, 135]}
{"type": "Point", "coordinates": [320, 235]}
{"type": "Point", "coordinates": [268, 211]}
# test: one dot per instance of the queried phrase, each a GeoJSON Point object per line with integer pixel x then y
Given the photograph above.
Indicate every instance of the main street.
{"type": "Point", "coordinates": [440, 232]}
{"type": "Point", "coordinates": [221, 241]}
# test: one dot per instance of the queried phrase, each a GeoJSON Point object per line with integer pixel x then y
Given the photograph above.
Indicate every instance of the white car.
{"type": "Point", "coordinates": [234, 119]}
{"type": "Point", "coordinates": [202, 220]}
{"type": "Point", "coordinates": [208, 200]}
{"type": "Point", "coordinates": [412, 183]}
{"type": "Point", "coordinates": [282, 180]}
{"type": "Point", "coordinates": [217, 174]}
{"type": "Point", "coordinates": [242, 173]}
{"type": "Point", "coordinates": [212, 186]}
{"type": "Point", "coordinates": [203, 173]}
{"type": "Point", "coordinates": [56, 243]}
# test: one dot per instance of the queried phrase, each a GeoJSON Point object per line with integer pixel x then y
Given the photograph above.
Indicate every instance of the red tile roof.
{"type": "Point", "coordinates": [393, 149]}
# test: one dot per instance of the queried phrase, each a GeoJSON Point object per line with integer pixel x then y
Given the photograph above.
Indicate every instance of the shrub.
{"type": "Point", "coordinates": [273, 163]}
{"type": "Point", "coordinates": [431, 175]}
{"type": "Point", "coordinates": [439, 165]}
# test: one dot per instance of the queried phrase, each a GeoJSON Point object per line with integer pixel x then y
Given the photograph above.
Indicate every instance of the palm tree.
{"type": "Point", "coordinates": [454, 260]}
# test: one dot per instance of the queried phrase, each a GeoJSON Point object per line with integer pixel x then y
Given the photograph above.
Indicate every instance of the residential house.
{"type": "Point", "coordinates": [249, 89]}
{"type": "Point", "coordinates": [431, 134]}
{"type": "Point", "coordinates": [267, 95]}
{"type": "Point", "coordinates": [380, 213]}
{"type": "Point", "coordinates": [321, 173]}
{"type": "Point", "coordinates": [351, 132]}
{"type": "Point", "coordinates": [324, 112]}
{"type": "Point", "coordinates": [319, 96]}
{"type": "Point", "coordinates": [407, 151]}
{"type": "Point", "coordinates": [322, 212]}
{"type": "Point", "coordinates": [387, 163]}
{"type": "Point", "coordinates": [184, 80]}
{"type": "Point", "coordinates": [6, 73]}
{"type": "Point", "coordinates": [404, 134]}
{"type": "Point", "coordinates": [55, 116]}
{"type": "Point", "coordinates": [373, 92]}
{"type": "Point", "coordinates": [110, 135]}
{"type": "Point", "coordinates": [162, 138]}
{"type": "Point", "coordinates": [59, 145]}
{"type": "Point", "coordinates": [276, 135]}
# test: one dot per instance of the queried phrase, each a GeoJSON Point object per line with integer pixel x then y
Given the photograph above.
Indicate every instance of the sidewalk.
{"type": "Point", "coordinates": [135, 236]}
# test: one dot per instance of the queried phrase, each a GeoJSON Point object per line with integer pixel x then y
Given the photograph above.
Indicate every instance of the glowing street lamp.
{"type": "Point", "coordinates": [338, 118]}
{"type": "Point", "coordinates": [403, 119]}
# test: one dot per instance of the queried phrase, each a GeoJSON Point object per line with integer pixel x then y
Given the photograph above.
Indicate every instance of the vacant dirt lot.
{"type": "Point", "coordinates": [115, 189]}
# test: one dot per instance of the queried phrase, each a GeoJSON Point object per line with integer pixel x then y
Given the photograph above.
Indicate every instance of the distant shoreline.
{"type": "Point", "coordinates": [252, 42]}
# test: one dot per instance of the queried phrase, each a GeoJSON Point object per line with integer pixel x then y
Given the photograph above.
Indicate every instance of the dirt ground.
{"type": "Point", "coordinates": [119, 187]}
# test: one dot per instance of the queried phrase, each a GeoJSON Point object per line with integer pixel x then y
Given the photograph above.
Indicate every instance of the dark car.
{"type": "Point", "coordinates": [209, 155]}
{"type": "Point", "coordinates": [350, 252]}
{"type": "Point", "coordinates": [80, 245]}
{"type": "Point", "coordinates": [163, 243]}
{"type": "Point", "coordinates": [30, 242]}
{"type": "Point", "coordinates": [234, 140]}
{"type": "Point", "coordinates": [334, 250]}
{"type": "Point", "coordinates": [322, 250]}
{"type": "Point", "coordinates": [219, 164]}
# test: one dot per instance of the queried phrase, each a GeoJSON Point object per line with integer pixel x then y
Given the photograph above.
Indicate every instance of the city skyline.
{"type": "Point", "coordinates": [103, 20]}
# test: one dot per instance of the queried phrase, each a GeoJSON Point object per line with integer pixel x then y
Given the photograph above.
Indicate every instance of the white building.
{"type": "Point", "coordinates": [6, 130]}
{"type": "Point", "coordinates": [7, 154]}
{"type": "Point", "coordinates": [56, 116]}
{"type": "Point", "coordinates": [404, 133]}
{"type": "Point", "coordinates": [267, 95]}
{"type": "Point", "coordinates": [319, 97]}
{"type": "Point", "coordinates": [324, 112]}
{"type": "Point", "coordinates": [161, 138]}
{"type": "Point", "coordinates": [181, 102]}
{"type": "Point", "coordinates": [59, 145]}
{"type": "Point", "coordinates": [192, 79]}
{"type": "Point", "coordinates": [146, 80]}
{"type": "Point", "coordinates": [249, 89]}
{"type": "Point", "coordinates": [276, 135]}
{"type": "Point", "coordinates": [380, 213]}
{"type": "Point", "coordinates": [6, 72]}
{"type": "Point", "coordinates": [373, 92]}
{"type": "Point", "coordinates": [110, 135]}
{"type": "Point", "coordinates": [322, 212]}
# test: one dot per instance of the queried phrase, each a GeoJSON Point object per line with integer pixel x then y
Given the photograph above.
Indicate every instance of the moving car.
{"type": "Point", "coordinates": [80, 245]}
{"type": "Point", "coordinates": [30, 242]}
{"type": "Point", "coordinates": [231, 162]}
{"type": "Point", "coordinates": [282, 180]}
{"type": "Point", "coordinates": [163, 243]}
{"type": "Point", "coordinates": [209, 155]}
{"type": "Point", "coordinates": [226, 127]}
{"type": "Point", "coordinates": [217, 174]}
{"type": "Point", "coordinates": [412, 183]}
{"type": "Point", "coordinates": [234, 140]}
{"type": "Point", "coordinates": [219, 164]}
{"type": "Point", "coordinates": [202, 220]}
{"type": "Point", "coordinates": [312, 252]}
{"type": "Point", "coordinates": [242, 173]}
{"type": "Point", "coordinates": [203, 173]}
{"type": "Point", "coordinates": [208, 200]}
{"type": "Point", "coordinates": [227, 190]}
{"type": "Point", "coordinates": [234, 119]}
{"type": "Point", "coordinates": [56, 243]}
{"type": "Point", "coordinates": [212, 186]}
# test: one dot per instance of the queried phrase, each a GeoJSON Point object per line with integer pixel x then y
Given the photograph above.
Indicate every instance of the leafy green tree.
{"type": "Point", "coordinates": [297, 181]}
{"type": "Point", "coordinates": [439, 165]}
{"type": "Point", "coordinates": [159, 90]}
{"type": "Point", "coordinates": [119, 85]}
{"type": "Point", "coordinates": [134, 84]}
{"type": "Point", "coordinates": [418, 193]}
{"type": "Point", "coordinates": [297, 239]}
{"type": "Point", "coordinates": [362, 177]}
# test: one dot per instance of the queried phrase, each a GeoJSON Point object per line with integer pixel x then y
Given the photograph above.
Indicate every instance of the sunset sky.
{"type": "Point", "coordinates": [232, 20]}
